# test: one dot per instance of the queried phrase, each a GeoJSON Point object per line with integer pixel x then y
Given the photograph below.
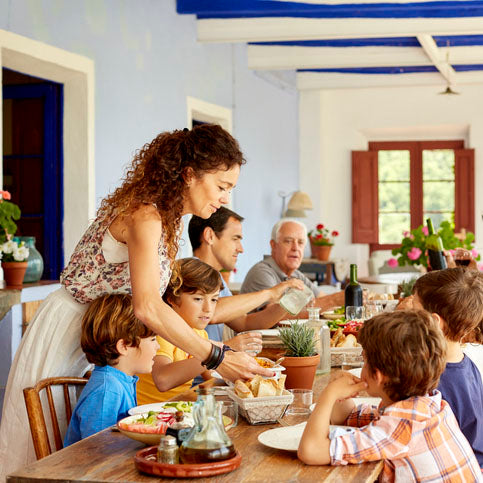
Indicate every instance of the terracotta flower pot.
{"type": "Point", "coordinates": [13, 273]}
{"type": "Point", "coordinates": [320, 252]}
{"type": "Point", "coordinates": [300, 371]}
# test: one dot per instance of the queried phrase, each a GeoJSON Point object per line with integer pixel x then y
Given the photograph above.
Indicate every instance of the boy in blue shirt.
{"type": "Point", "coordinates": [455, 299]}
{"type": "Point", "coordinates": [120, 346]}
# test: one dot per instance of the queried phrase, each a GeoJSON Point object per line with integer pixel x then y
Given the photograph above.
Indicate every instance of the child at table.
{"type": "Point", "coordinates": [455, 299]}
{"type": "Point", "coordinates": [195, 301]}
{"type": "Point", "coordinates": [120, 346]}
{"type": "Point", "coordinates": [414, 431]}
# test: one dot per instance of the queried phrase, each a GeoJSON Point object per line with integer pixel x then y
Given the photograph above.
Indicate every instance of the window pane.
{"type": "Point", "coordinates": [393, 197]}
{"type": "Point", "coordinates": [438, 164]}
{"type": "Point", "coordinates": [391, 227]}
{"type": "Point", "coordinates": [393, 165]}
{"type": "Point", "coordinates": [438, 196]}
{"type": "Point", "coordinates": [439, 217]}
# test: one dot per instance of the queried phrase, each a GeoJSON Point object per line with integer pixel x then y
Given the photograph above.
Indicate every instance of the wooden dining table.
{"type": "Point", "coordinates": [108, 456]}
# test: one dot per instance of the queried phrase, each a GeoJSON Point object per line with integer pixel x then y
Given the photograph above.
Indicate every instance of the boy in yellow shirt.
{"type": "Point", "coordinates": [194, 299]}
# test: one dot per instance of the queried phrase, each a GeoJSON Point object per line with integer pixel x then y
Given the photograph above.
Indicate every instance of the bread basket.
{"type": "Point", "coordinates": [262, 410]}
{"type": "Point", "coordinates": [341, 355]}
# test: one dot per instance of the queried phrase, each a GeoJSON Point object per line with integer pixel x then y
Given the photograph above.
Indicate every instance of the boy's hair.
{"type": "Point", "coordinates": [107, 320]}
{"type": "Point", "coordinates": [194, 275]}
{"type": "Point", "coordinates": [217, 222]}
{"type": "Point", "coordinates": [456, 294]}
{"type": "Point", "coordinates": [406, 346]}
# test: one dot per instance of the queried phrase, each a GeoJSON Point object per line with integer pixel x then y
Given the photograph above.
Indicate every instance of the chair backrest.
{"type": "Point", "coordinates": [35, 412]}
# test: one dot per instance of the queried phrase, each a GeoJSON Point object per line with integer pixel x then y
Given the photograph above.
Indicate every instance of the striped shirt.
{"type": "Point", "coordinates": [419, 440]}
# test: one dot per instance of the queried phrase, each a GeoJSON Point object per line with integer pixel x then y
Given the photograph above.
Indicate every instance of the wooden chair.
{"type": "Point", "coordinates": [38, 428]}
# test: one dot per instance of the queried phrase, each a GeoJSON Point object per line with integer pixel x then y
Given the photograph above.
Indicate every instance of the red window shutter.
{"type": "Point", "coordinates": [464, 189]}
{"type": "Point", "coordinates": [365, 199]}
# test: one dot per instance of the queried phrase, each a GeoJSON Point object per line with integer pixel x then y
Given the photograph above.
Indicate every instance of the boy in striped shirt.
{"type": "Point", "coordinates": [414, 431]}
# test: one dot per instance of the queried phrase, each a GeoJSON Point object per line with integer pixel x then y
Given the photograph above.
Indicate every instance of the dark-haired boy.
{"type": "Point", "coordinates": [120, 346]}
{"type": "Point", "coordinates": [414, 431]}
{"type": "Point", "coordinates": [454, 297]}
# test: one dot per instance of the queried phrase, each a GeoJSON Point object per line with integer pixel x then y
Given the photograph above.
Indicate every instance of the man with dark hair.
{"type": "Point", "coordinates": [217, 242]}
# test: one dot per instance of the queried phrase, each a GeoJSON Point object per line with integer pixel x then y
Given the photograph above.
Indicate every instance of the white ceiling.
{"type": "Point", "coordinates": [337, 44]}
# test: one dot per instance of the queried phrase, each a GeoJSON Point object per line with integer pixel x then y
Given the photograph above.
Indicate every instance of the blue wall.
{"type": "Point", "coordinates": [147, 61]}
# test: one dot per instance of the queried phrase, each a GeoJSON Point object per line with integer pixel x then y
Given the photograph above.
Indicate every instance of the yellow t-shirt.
{"type": "Point", "coordinates": [146, 389]}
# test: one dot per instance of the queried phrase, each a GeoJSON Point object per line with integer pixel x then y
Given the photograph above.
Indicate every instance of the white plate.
{"type": "Point", "coordinates": [288, 437]}
{"type": "Point", "coordinates": [269, 332]}
{"type": "Point", "coordinates": [289, 322]}
{"type": "Point", "coordinates": [148, 407]}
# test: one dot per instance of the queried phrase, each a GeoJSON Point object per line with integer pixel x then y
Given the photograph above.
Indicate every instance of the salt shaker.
{"type": "Point", "coordinates": [168, 450]}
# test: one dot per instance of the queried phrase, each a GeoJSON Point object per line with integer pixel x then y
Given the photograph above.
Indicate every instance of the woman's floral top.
{"type": "Point", "coordinates": [89, 275]}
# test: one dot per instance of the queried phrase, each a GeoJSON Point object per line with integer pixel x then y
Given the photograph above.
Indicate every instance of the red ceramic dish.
{"type": "Point", "coordinates": [145, 461]}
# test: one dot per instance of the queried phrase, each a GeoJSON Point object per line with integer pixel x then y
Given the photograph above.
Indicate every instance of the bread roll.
{"type": "Point", "coordinates": [350, 341]}
{"type": "Point", "coordinates": [242, 390]}
{"type": "Point", "coordinates": [281, 384]}
{"type": "Point", "coordinates": [267, 387]}
{"type": "Point", "coordinates": [254, 383]}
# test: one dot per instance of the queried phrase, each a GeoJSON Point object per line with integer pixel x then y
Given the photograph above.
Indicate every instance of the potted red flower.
{"type": "Point", "coordinates": [322, 241]}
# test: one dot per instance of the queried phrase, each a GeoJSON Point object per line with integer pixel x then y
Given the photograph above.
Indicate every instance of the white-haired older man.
{"type": "Point", "coordinates": [287, 243]}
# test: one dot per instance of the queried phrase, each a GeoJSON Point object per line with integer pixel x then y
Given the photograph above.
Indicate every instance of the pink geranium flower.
{"type": "Point", "coordinates": [474, 252]}
{"type": "Point", "coordinates": [414, 253]}
{"type": "Point", "coordinates": [406, 234]}
{"type": "Point", "coordinates": [392, 262]}
{"type": "Point", "coordinates": [6, 195]}
{"type": "Point", "coordinates": [425, 230]}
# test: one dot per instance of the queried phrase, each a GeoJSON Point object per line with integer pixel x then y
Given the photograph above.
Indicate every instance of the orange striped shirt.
{"type": "Point", "coordinates": [419, 440]}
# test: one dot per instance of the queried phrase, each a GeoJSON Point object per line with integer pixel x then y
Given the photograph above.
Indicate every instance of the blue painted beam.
{"type": "Point", "coordinates": [376, 42]}
{"type": "Point", "coordinates": [393, 70]}
{"type": "Point", "coordinates": [375, 70]}
{"type": "Point", "coordinates": [441, 41]}
{"type": "Point", "coordinates": [213, 9]}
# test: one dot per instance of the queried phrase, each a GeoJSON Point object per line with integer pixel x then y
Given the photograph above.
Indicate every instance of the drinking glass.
{"type": "Point", "coordinates": [354, 312]}
{"type": "Point", "coordinates": [252, 348]}
{"type": "Point", "coordinates": [302, 399]}
{"type": "Point", "coordinates": [462, 257]}
{"type": "Point", "coordinates": [230, 410]}
{"type": "Point", "coordinates": [372, 308]}
{"type": "Point", "coordinates": [294, 300]}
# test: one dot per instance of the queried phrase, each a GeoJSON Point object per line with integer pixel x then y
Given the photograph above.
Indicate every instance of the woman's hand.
{"type": "Point", "coordinates": [246, 342]}
{"type": "Point", "coordinates": [277, 291]}
{"type": "Point", "coordinates": [239, 365]}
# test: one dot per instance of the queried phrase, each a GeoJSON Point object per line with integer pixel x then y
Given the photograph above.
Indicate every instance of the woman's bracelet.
{"type": "Point", "coordinates": [217, 354]}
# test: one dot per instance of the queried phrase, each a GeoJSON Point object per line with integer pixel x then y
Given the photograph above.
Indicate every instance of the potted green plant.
{"type": "Point", "coordinates": [8, 212]}
{"type": "Point", "coordinates": [14, 263]}
{"type": "Point", "coordinates": [321, 241]}
{"type": "Point", "coordinates": [301, 358]}
{"type": "Point", "coordinates": [413, 246]}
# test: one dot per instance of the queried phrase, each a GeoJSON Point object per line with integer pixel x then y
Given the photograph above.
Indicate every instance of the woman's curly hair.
{"type": "Point", "coordinates": [158, 173]}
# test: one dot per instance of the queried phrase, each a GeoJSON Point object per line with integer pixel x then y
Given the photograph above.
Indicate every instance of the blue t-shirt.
{"type": "Point", "coordinates": [215, 331]}
{"type": "Point", "coordinates": [106, 398]}
{"type": "Point", "coordinates": [460, 385]}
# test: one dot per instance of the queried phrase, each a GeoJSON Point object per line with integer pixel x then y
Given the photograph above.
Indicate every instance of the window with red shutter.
{"type": "Point", "coordinates": [396, 185]}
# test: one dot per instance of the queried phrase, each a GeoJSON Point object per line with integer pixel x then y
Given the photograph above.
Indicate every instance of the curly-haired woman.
{"type": "Point", "coordinates": [129, 248]}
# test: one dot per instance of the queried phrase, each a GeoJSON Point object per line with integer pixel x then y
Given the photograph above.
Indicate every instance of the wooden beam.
{"type": "Point", "coordinates": [438, 58]}
{"type": "Point", "coordinates": [273, 57]}
{"type": "Point", "coordinates": [285, 28]}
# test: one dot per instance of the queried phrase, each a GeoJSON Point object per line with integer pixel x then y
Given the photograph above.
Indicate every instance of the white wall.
{"type": "Point", "coordinates": [147, 61]}
{"type": "Point", "coordinates": [339, 121]}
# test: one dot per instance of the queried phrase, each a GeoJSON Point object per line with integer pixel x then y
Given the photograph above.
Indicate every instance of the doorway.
{"type": "Point", "coordinates": [33, 161]}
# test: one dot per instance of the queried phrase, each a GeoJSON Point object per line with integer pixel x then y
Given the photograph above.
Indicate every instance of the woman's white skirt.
{"type": "Point", "coordinates": [49, 348]}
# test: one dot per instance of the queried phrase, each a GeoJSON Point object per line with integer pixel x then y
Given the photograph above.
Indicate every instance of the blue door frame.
{"type": "Point", "coordinates": [53, 169]}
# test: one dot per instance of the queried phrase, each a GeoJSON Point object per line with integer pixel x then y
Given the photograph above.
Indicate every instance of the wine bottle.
{"type": "Point", "coordinates": [353, 291]}
{"type": "Point", "coordinates": [434, 244]}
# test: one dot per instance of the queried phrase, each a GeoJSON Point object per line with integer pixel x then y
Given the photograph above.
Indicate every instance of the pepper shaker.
{"type": "Point", "coordinates": [168, 450]}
